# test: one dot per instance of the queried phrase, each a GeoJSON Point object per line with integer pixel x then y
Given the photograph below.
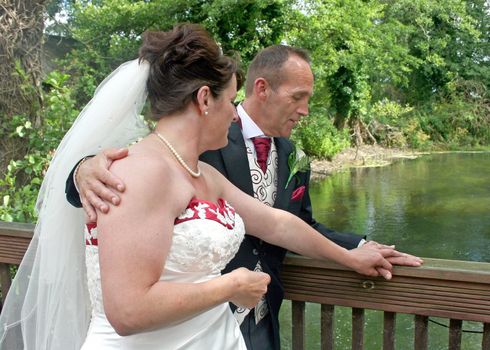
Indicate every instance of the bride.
{"type": "Point", "coordinates": [147, 274]}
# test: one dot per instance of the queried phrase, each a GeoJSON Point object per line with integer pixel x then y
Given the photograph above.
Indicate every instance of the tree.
{"type": "Point", "coordinates": [442, 36]}
{"type": "Point", "coordinates": [353, 50]}
{"type": "Point", "coordinates": [21, 27]}
{"type": "Point", "coordinates": [246, 27]}
{"type": "Point", "coordinates": [109, 32]}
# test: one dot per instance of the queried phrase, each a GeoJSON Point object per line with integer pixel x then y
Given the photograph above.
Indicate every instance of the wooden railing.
{"type": "Point", "coordinates": [14, 240]}
{"type": "Point", "coordinates": [456, 290]}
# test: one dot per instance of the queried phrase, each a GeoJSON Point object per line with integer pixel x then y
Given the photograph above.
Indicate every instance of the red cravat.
{"type": "Point", "coordinates": [262, 147]}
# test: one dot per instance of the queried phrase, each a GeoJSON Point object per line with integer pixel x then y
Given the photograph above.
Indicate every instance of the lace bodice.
{"type": "Point", "coordinates": [206, 237]}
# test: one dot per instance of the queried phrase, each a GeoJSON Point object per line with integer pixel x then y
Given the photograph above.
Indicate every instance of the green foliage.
{"type": "Point", "coordinates": [245, 26]}
{"type": "Point", "coordinates": [389, 112]}
{"type": "Point", "coordinates": [443, 37]}
{"type": "Point", "coordinates": [460, 121]}
{"type": "Point", "coordinates": [88, 69]}
{"type": "Point", "coordinates": [20, 185]}
{"type": "Point", "coordinates": [349, 41]}
{"type": "Point", "coordinates": [318, 137]}
{"type": "Point", "coordinates": [457, 122]}
{"type": "Point", "coordinates": [404, 51]}
{"type": "Point", "coordinates": [415, 135]}
{"type": "Point", "coordinates": [389, 123]}
{"type": "Point", "coordinates": [109, 32]}
{"type": "Point", "coordinates": [415, 73]}
{"type": "Point", "coordinates": [408, 52]}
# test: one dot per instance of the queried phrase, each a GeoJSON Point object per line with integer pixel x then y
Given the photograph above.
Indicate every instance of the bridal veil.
{"type": "Point", "coordinates": [48, 306]}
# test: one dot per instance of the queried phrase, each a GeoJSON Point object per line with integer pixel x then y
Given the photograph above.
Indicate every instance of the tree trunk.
{"type": "Point", "coordinates": [21, 36]}
{"type": "Point", "coordinates": [361, 132]}
{"type": "Point", "coordinates": [339, 121]}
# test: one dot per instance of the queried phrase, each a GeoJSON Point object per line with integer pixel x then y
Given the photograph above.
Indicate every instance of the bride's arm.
{"type": "Point", "coordinates": [134, 240]}
{"type": "Point", "coordinates": [288, 231]}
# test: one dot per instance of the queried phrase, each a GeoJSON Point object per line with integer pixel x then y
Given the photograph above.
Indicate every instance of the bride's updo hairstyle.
{"type": "Point", "coordinates": [182, 61]}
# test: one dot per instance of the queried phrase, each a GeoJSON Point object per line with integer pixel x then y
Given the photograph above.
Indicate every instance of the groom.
{"type": "Point", "coordinates": [278, 87]}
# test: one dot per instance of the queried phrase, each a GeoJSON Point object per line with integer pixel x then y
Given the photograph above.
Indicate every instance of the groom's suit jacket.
{"type": "Point", "coordinates": [232, 162]}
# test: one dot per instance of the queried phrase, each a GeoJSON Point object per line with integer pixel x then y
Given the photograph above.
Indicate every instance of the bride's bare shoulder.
{"type": "Point", "coordinates": [143, 163]}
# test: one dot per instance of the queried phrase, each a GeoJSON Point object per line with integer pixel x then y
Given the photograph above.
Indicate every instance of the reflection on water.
{"type": "Point", "coordinates": [435, 206]}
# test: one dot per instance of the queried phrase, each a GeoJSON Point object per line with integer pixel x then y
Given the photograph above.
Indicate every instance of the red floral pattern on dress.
{"type": "Point", "coordinates": [221, 212]}
{"type": "Point", "coordinates": [197, 209]}
{"type": "Point", "coordinates": [91, 234]}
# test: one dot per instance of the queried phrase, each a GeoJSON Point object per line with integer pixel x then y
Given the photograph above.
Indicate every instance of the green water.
{"type": "Point", "coordinates": [435, 206]}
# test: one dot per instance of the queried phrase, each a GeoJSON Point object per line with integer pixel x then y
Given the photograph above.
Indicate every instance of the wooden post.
{"type": "Point", "coordinates": [485, 345]}
{"type": "Point", "coordinates": [5, 281]}
{"type": "Point", "coordinates": [389, 330]}
{"type": "Point", "coordinates": [421, 332]}
{"type": "Point", "coordinates": [327, 323]}
{"type": "Point", "coordinates": [357, 329]}
{"type": "Point", "coordinates": [298, 309]}
{"type": "Point", "coordinates": [455, 327]}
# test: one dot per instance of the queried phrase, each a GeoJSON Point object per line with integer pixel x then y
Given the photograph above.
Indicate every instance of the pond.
{"type": "Point", "coordinates": [435, 206]}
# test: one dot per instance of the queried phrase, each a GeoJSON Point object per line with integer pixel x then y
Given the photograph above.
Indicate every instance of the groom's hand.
{"type": "Point", "coordinates": [97, 185]}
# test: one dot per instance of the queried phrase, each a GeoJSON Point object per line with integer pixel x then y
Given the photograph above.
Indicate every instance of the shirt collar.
{"type": "Point", "coordinates": [249, 128]}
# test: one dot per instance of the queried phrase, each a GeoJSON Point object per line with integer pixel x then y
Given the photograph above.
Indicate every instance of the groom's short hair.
{"type": "Point", "coordinates": [268, 64]}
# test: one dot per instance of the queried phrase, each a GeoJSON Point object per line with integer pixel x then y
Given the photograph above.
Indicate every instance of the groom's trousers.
{"type": "Point", "coordinates": [257, 336]}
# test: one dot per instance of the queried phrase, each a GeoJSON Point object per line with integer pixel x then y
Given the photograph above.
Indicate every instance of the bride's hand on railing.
{"type": "Point", "coordinates": [371, 261]}
{"type": "Point", "coordinates": [396, 258]}
{"type": "Point", "coordinates": [248, 287]}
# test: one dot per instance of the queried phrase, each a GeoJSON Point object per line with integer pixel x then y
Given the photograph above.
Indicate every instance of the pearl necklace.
{"type": "Point", "coordinates": [178, 157]}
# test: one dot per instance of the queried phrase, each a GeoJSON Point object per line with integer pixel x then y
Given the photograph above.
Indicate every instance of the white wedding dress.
{"type": "Point", "coordinates": [206, 237]}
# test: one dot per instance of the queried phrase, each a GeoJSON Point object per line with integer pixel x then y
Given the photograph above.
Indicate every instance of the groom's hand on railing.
{"type": "Point", "coordinates": [96, 185]}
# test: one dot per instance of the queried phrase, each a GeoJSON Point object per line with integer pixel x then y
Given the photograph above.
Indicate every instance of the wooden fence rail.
{"type": "Point", "coordinates": [456, 290]}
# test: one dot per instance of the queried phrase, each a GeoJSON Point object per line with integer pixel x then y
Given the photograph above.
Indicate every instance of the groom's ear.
{"type": "Point", "coordinates": [261, 88]}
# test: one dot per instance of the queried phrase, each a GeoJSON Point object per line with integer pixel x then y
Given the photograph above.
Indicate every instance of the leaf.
{"type": "Point", "coordinates": [6, 217]}
{"type": "Point", "coordinates": [298, 161]}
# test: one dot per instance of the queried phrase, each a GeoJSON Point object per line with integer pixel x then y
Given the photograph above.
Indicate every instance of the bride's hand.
{"type": "Point", "coordinates": [249, 287]}
{"type": "Point", "coordinates": [372, 261]}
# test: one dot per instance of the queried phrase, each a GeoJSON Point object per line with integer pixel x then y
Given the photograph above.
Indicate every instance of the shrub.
{"type": "Point", "coordinates": [20, 184]}
{"type": "Point", "coordinates": [318, 137]}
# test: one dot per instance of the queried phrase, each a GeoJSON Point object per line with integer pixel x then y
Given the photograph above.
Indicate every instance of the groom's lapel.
{"type": "Point", "coordinates": [284, 148]}
{"type": "Point", "coordinates": [236, 161]}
